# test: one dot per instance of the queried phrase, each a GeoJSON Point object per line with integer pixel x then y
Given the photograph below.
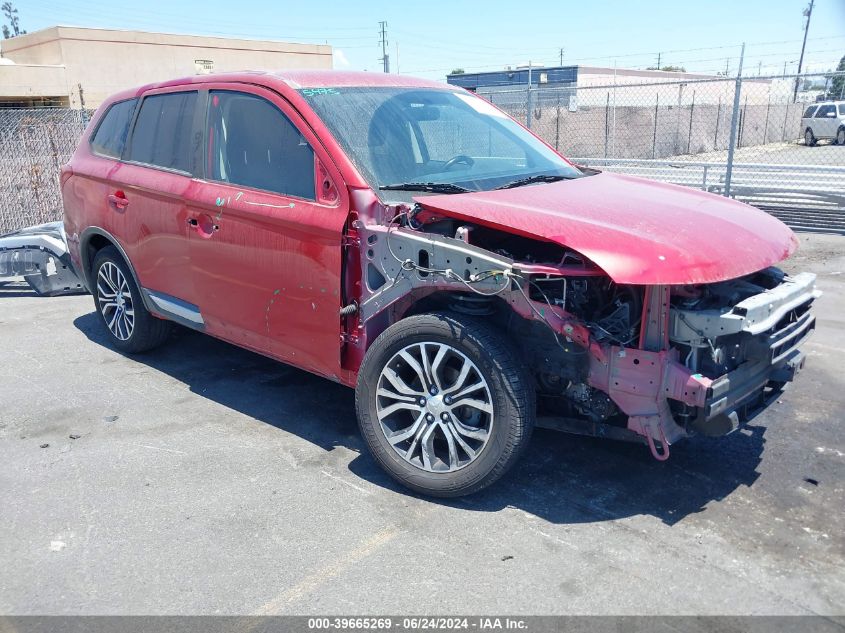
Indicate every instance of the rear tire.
{"type": "Point", "coordinates": [130, 327]}
{"type": "Point", "coordinates": [840, 136]}
{"type": "Point", "coordinates": [444, 404]}
{"type": "Point", "coordinates": [809, 138]}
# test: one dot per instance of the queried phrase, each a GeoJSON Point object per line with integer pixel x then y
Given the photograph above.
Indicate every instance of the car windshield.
{"type": "Point", "coordinates": [411, 140]}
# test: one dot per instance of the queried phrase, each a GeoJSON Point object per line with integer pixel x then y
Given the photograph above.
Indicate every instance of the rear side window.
{"type": "Point", "coordinates": [253, 144]}
{"type": "Point", "coordinates": [842, 109]}
{"type": "Point", "coordinates": [110, 136]}
{"type": "Point", "coordinates": [162, 132]}
{"type": "Point", "coordinates": [809, 112]}
{"type": "Point", "coordinates": [825, 110]}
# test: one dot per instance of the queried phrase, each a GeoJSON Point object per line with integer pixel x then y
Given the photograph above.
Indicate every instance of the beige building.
{"type": "Point", "coordinates": [48, 67]}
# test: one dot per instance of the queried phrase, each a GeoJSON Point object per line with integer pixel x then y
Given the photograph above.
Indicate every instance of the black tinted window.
{"type": "Point", "coordinates": [110, 136]}
{"type": "Point", "coordinates": [825, 111]}
{"type": "Point", "coordinates": [162, 133]}
{"type": "Point", "coordinates": [842, 110]}
{"type": "Point", "coordinates": [809, 112]}
{"type": "Point", "coordinates": [253, 144]}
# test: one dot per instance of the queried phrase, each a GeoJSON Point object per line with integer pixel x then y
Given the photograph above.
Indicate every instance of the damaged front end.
{"type": "Point", "coordinates": [647, 363]}
{"type": "Point", "coordinates": [40, 255]}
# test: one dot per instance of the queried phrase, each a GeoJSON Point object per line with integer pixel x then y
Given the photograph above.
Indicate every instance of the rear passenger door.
{"type": "Point", "coordinates": [267, 221]}
{"type": "Point", "coordinates": [824, 121]}
{"type": "Point", "coordinates": [154, 182]}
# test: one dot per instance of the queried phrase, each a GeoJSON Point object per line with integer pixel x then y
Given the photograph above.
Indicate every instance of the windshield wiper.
{"type": "Point", "coordinates": [532, 179]}
{"type": "Point", "coordinates": [433, 187]}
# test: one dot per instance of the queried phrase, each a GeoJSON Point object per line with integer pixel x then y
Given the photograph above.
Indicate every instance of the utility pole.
{"type": "Point", "coordinates": [658, 60]}
{"type": "Point", "coordinates": [82, 113]}
{"type": "Point", "coordinates": [385, 56]}
{"type": "Point", "coordinates": [528, 106]}
{"type": "Point", "coordinates": [560, 50]}
{"type": "Point", "coordinates": [727, 66]}
{"type": "Point", "coordinates": [729, 168]}
{"type": "Point", "coordinates": [808, 13]}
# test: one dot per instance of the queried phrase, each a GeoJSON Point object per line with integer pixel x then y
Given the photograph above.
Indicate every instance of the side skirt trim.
{"type": "Point", "coordinates": [175, 309]}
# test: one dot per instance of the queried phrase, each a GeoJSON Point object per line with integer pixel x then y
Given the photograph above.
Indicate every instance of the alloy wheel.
{"type": "Point", "coordinates": [115, 301]}
{"type": "Point", "coordinates": [840, 137]}
{"type": "Point", "coordinates": [434, 407]}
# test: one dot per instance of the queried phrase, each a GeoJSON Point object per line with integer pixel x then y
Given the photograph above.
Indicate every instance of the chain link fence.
{"type": "Point", "coordinates": [34, 144]}
{"type": "Point", "coordinates": [745, 138]}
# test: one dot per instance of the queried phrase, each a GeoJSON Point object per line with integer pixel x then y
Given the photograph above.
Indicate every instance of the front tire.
{"type": "Point", "coordinates": [840, 136]}
{"type": "Point", "coordinates": [130, 327]}
{"type": "Point", "coordinates": [444, 404]}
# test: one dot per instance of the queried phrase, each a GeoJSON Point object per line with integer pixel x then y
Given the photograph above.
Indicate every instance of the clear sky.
{"type": "Point", "coordinates": [435, 36]}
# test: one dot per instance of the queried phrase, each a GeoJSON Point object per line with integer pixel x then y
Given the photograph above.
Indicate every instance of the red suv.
{"type": "Point", "coordinates": [407, 238]}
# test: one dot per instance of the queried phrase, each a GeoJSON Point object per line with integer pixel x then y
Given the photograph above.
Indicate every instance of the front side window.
{"type": "Point", "coordinates": [408, 136]}
{"type": "Point", "coordinates": [110, 136]}
{"type": "Point", "coordinates": [162, 133]}
{"type": "Point", "coordinates": [825, 111]}
{"type": "Point", "coordinates": [253, 144]}
{"type": "Point", "coordinates": [809, 112]}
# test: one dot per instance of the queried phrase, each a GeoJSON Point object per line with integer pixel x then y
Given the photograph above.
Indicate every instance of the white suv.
{"type": "Point", "coordinates": [824, 120]}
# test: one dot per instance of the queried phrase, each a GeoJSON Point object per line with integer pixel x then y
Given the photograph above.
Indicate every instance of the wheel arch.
{"type": "Point", "coordinates": [424, 301]}
{"type": "Point", "coordinates": [93, 240]}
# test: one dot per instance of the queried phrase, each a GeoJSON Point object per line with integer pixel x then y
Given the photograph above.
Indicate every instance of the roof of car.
{"type": "Point", "coordinates": [295, 79]}
{"type": "Point", "coordinates": [348, 78]}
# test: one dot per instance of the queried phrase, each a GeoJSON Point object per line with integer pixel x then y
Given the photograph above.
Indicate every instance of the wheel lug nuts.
{"type": "Point", "coordinates": [445, 416]}
{"type": "Point", "coordinates": [448, 399]}
{"type": "Point", "coordinates": [422, 402]}
{"type": "Point", "coordinates": [433, 391]}
{"type": "Point", "coordinates": [429, 417]}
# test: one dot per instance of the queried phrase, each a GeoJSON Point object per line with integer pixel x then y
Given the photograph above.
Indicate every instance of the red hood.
{"type": "Point", "coordinates": [638, 231]}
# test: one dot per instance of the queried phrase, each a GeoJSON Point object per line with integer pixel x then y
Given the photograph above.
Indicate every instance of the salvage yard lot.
{"type": "Point", "coordinates": [203, 479]}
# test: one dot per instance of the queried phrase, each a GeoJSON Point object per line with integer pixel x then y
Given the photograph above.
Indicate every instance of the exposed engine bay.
{"type": "Point", "coordinates": [625, 361]}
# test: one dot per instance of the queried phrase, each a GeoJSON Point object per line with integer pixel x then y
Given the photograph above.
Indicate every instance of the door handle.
{"type": "Point", "coordinates": [194, 223]}
{"type": "Point", "coordinates": [118, 199]}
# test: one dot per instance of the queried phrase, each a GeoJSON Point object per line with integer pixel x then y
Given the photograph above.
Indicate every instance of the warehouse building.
{"type": "Point", "coordinates": [591, 85]}
{"type": "Point", "coordinates": [66, 66]}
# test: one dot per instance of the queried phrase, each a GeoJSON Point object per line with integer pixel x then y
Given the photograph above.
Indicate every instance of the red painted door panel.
{"type": "Point", "coordinates": [153, 227]}
{"type": "Point", "coordinates": [266, 266]}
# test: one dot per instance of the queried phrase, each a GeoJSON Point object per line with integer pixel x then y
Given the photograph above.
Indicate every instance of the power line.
{"type": "Point", "coordinates": [681, 61]}
{"type": "Point", "coordinates": [513, 53]}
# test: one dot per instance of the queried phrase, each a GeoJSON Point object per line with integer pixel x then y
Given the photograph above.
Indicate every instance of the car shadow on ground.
{"type": "Point", "coordinates": [561, 478]}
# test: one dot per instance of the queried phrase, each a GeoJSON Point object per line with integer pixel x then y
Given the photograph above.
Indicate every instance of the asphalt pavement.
{"type": "Point", "coordinates": [204, 479]}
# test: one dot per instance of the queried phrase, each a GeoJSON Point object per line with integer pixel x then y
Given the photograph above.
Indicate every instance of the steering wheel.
{"type": "Point", "coordinates": [460, 158]}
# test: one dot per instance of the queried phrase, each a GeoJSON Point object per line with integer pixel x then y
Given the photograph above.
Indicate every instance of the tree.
{"type": "Point", "coordinates": [13, 29]}
{"type": "Point", "coordinates": [457, 71]}
{"type": "Point", "coordinates": [837, 82]}
{"type": "Point", "coordinates": [669, 69]}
